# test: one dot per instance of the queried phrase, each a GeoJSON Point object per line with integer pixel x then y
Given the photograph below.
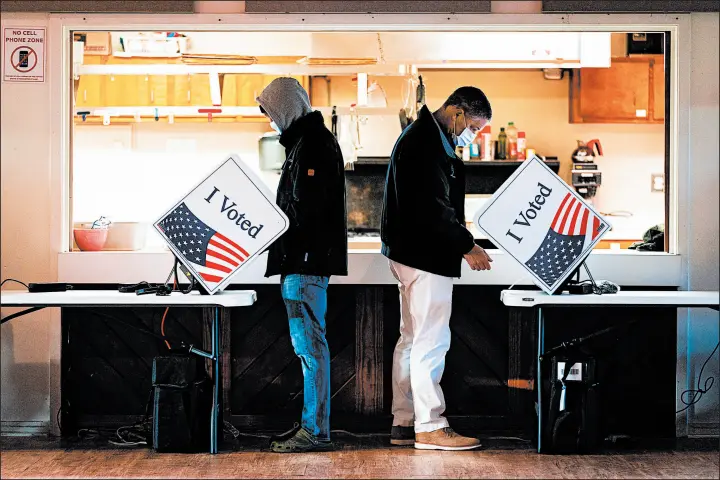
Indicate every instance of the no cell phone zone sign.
{"type": "Point", "coordinates": [23, 54]}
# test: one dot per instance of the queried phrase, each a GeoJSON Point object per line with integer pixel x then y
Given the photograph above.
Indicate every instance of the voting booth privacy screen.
{"type": "Point", "coordinates": [222, 224]}
{"type": "Point", "coordinates": [542, 223]}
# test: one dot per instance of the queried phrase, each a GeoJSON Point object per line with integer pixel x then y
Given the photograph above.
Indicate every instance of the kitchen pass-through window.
{"type": "Point", "coordinates": [154, 113]}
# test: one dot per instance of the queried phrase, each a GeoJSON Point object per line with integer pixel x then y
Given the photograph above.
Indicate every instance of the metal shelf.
{"type": "Point", "coordinates": [267, 69]}
{"type": "Point", "coordinates": [395, 70]}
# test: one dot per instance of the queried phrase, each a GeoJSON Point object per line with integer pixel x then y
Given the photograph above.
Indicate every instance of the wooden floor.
{"type": "Point", "coordinates": [24, 458]}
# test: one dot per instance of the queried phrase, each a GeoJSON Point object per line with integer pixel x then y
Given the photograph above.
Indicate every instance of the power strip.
{"type": "Point", "coordinates": [48, 287]}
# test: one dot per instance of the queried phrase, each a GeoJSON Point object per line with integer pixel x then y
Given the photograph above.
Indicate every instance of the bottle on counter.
{"type": "Point", "coordinates": [474, 149]}
{"type": "Point", "coordinates": [512, 140]}
{"type": "Point", "coordinates": [521, 146]}
{"type": "Point", "coordinates": [486, 143]}
{"type": "Point", "coordinates": [501, 151]}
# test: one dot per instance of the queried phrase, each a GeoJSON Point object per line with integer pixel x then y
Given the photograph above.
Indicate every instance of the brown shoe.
{"type": "Point", "coordinates": [444, 439]}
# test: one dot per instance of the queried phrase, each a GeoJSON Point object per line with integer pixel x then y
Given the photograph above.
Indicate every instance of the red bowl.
{"type": "Point", "coordinates": [90, 239]}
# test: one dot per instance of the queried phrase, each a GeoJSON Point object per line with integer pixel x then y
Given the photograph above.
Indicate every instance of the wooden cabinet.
{"type": "Point", "coordinates": [658, 86]}
{"type": "Point", "coordinates": [238, 90]}
{"type": "Point", "coordinates": [123, 90]}
{"type": "Point", "coordinates": [241, 90]}
{"type": "Point", "coordinates": [200, 90]}
{"type": "Point", "coordinates": [191, 90]}
{"type": "Point", "coordinates": [179, 90]}
{"type": "Point", "coordinates": [632, 90]}
{"type": "Point", "coordinates": [90, 91]}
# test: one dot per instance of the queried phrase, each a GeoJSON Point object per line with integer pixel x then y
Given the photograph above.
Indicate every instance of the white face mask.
{"type": "Point", "coordinates": [274, 126]}
{"type": "Point", "coordinates": [465, 138]}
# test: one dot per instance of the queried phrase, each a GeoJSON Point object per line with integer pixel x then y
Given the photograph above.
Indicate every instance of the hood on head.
{"type": "Point", "coordinates": [285, 101]}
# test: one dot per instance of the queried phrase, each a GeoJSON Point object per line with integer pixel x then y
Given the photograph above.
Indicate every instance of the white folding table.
{"type": "Point", "coordinates": [106, 298]}
{"type": "Point", "coordinates": [538, 300]}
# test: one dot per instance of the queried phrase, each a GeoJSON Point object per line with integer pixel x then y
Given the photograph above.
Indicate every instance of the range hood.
{"type": "Point", "coordinates": [423, 49]}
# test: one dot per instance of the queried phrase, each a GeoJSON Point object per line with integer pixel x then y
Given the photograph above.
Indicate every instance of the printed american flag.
{"type": "Point", "coordinates": [211, 254]}
{"type": "Point", "coordinates": [572, 231]}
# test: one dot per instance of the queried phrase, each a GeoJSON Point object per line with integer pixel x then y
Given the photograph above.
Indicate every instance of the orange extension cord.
{"type": "Point", "coordinates": [162, 323]}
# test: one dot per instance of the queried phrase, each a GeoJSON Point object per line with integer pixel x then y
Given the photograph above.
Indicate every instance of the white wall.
{"type": "Point", "coordinates": [27, 253]}
{"type": "Point", "coordinates": [702, 244]}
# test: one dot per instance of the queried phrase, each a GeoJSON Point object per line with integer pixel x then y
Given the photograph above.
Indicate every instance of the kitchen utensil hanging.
{"type": "Point", "coordinates": [409, 108]}
{"type": "Point", "coordinates": [334, 120]}
{"type": "Point", "coordinates": [355, 128]}
{"type": "Point", "coordinates": [420, 95]}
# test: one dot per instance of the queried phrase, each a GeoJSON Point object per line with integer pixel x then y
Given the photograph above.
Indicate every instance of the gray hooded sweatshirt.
{"type": "Point", "coordinates": [285, 101]}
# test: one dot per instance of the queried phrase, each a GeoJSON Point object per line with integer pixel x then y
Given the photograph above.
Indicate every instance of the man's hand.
{"type": "Point", "coordinates": [478, 259]}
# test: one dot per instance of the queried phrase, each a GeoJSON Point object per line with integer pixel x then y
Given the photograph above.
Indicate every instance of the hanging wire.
{"type": "Point", "coordinates": [381, 50]}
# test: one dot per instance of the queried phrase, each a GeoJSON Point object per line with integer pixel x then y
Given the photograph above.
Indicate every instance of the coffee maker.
{"type": "Point", "coordinates": [586, 177]}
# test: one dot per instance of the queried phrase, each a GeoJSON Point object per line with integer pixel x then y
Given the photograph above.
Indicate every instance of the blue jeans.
{"type": "Point", "coordinates": [305, 299]}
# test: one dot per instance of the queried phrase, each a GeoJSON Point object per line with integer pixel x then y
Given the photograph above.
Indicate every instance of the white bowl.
{"type": "Point", "coordinates": [126, 236]}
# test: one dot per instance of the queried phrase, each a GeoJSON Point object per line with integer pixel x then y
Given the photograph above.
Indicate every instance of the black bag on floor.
{"type": "Point", "coordinates": [571, 416]}
{"type": "Point", "coordinates": [182, 403]}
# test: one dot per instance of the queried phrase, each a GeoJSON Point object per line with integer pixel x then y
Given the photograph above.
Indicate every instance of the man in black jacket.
{"type": "Point", "coordinates": [424, 237]}
{"type": "Point", "coordinates": [311, 192]}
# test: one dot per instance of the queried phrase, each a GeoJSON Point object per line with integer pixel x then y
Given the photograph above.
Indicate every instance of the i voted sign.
{"type": "Point", "coordinates": [222, 224]}
{"type": "Point", "coordinates": [540, 221]}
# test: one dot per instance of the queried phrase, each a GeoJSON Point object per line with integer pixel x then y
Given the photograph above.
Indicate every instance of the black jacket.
{"type": "Point", "coordinates": [311, 192]}
{"type": "Point", "coordinates": [423, 216]}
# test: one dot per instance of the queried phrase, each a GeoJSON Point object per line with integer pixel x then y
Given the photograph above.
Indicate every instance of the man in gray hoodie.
{"type": "Point", "coordinates": [311, 192]}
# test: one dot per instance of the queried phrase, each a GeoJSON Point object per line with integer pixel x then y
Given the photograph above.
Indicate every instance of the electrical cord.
{"type": "Point", "coordinates": [57, 419]}
{"type": "Point", "coordinates": [13, 280]}
{"type": "Point", "coordinates": [142, 330]}
{"type": "Point", "coordinates": [698, 393]}
{"type": "Point", "coordinates": [602, 287]}
{"type": "Point", "coordinates": [161, 290]}
{"type": "Point", "coordinates": [137, 433]}
{"type": "Point", "coordinates": [230, 429]}
{"type": "Point", "coordinates": [516, 282]}
{"type": "Point", "coordinates": [599, 288]}
{"type": "Point", "coordinates": [360, 435]}
{"type": "Point", "coordinates": [162, 322]}
{"type": "Point", "coordinates": [162, 328]}
{"type": "Point", "coordinates": [129, 438]}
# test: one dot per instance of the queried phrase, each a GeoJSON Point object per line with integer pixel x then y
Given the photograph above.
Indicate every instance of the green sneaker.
{"type": "Point", "coordinates": [302, 441]}
{"type": "Point", "coordinates": [287, 435]}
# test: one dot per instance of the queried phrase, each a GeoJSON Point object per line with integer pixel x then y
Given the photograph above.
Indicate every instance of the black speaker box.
{"type": "Point", "coordinates": [182, 403]}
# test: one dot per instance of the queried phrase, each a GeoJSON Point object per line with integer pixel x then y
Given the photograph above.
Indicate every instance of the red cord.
{"type": "Point", "coordinates": [162, 326]}
{"type": "Point", "coordinates": [162, 323]}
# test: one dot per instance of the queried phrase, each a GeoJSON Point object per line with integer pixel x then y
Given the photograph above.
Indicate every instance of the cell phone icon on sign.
{"type": "Point", "coordinates": [24, 57]}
